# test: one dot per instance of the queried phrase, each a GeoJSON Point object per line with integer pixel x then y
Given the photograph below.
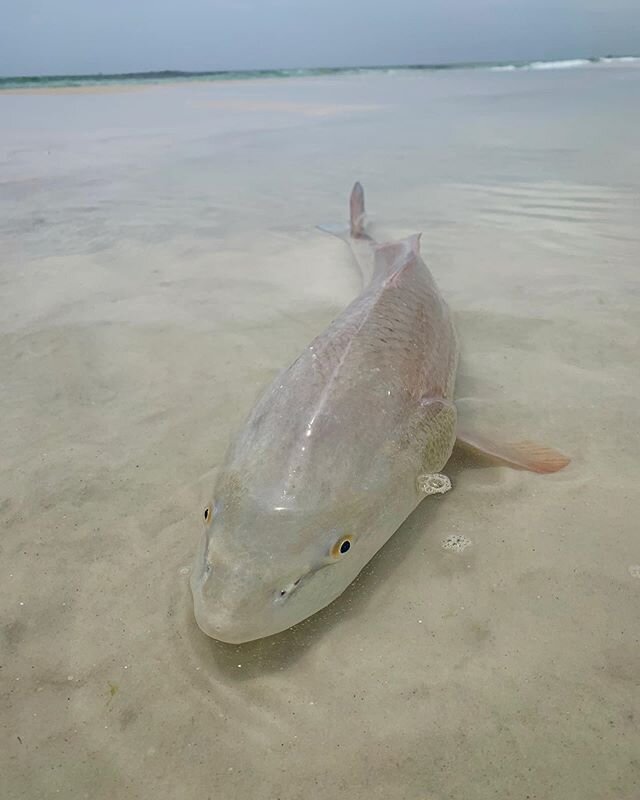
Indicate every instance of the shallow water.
{"type": "Point", "coordinates": [158, 264]}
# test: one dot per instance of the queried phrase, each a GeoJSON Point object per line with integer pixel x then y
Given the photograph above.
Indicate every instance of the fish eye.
{"type": "Point", "coordinates": [207, 514]}
{"type": "Point", "coordinates": [341, 547]}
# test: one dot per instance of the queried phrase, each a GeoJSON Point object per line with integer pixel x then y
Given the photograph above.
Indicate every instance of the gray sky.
{"type": "Point", "coordinates": [85, 36]}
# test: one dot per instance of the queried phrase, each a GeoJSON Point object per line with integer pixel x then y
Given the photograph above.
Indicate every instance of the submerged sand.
{"type": "Point", "coordinates": [158, 264]}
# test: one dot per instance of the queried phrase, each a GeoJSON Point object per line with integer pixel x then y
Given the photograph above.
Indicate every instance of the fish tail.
{"type": "Point", "coordinates": [356, 209]}
{"type": "Point", "coordinates": [355, 234]}
{"type": "Point", "coordinates": [356, 229]}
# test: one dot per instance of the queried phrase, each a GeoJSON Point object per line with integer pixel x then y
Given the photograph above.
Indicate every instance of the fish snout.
{"type": "Point", "coordinates": [217, 621]}
{"type": "Point", "coordinates": [229, 597]}
{"type": "Point", "coordinates": [234, 604]}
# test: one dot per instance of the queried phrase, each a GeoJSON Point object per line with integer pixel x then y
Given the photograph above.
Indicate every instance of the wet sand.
{"type": "Point", "coordinates": [158, 264]}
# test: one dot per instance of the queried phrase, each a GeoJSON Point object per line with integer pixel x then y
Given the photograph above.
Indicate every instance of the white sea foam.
{"type": "Point", "coordinates": [569, 63]}
{"type": "Point", "coordinates": [566, 64]}
{"type": "Point", "coordinates": [620, 59]}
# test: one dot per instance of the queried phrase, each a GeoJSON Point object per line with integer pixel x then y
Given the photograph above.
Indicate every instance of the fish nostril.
{"type": "Point", "coordinates": [287, 590]}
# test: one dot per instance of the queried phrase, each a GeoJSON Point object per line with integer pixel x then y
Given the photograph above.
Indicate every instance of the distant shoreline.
{"type": "Point", "coordinates": [135, 80]}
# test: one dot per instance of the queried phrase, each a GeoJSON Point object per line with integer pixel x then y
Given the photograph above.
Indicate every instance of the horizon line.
{"type": "Point", "coordinates": [169, 72]}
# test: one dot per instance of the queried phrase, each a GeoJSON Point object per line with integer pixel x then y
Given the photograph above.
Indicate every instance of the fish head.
{"type": "Point", "coordinates": [264, 565]}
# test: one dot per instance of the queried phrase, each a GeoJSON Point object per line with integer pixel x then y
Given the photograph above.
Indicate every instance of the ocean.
{"type": "Point", "coordinates": [162, 76]}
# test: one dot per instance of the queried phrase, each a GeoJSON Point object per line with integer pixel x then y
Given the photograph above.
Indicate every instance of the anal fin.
{"type": "Point", "coordinates": [527, 455]}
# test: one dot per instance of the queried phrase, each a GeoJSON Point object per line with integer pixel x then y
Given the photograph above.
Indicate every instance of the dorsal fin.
{"type": "Point", "coordinates": [390, 257]}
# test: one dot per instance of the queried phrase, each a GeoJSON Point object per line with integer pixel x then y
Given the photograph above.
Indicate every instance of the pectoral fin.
{"type": "Point", "coordinates": [518, 455]}
{"type": "Point", "coordinates": [435, 425]}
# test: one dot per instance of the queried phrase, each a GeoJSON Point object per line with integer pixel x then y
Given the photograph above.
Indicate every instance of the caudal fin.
{"type": "Point", "coordinates": [357, 218]}
{"type": "Point", "coordinates": [356, 209]}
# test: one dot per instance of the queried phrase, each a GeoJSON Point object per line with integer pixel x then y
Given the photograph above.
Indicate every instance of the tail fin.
{"type": "Point", "coordinates": [355, 234]}
{"type": "Point", "coordinates": [356, 227]}
{"type": "Point", "coordinates": [356, 208]}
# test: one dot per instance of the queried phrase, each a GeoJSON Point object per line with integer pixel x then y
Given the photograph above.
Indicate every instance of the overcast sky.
{"type": "Point", "coordinates": [84, 36]}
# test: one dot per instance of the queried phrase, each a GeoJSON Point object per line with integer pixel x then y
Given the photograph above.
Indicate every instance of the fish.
{"type": "Point", "coordinates": [339, 450]}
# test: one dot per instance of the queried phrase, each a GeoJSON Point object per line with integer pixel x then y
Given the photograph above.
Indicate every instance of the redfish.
{"type": "Point", "coordinates": [339, 450]}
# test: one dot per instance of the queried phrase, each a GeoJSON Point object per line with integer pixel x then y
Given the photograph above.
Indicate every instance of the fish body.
{"type": "Point", "coordinates": [339, 450]}
{"type": "Point", "coordinates": [326, 467]}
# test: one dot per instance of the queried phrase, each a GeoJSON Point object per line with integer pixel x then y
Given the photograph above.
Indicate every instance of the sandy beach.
{"type": "Point", "coordinates": [158, 265]}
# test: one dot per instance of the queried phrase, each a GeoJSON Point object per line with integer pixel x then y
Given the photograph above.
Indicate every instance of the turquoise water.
{"type": "Point", "coordinates": [55, 81]}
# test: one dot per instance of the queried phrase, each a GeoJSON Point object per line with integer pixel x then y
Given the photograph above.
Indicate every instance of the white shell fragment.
{"type": "Point", "coordinates": [433, 483]}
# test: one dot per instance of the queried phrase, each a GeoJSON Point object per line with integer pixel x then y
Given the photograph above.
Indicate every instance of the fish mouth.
{"type": "Point", "coordinates": [201, 565]}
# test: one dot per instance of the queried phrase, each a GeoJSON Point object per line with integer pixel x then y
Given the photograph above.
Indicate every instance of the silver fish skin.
{"type": "Point", "coordinates": [326, 467]}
